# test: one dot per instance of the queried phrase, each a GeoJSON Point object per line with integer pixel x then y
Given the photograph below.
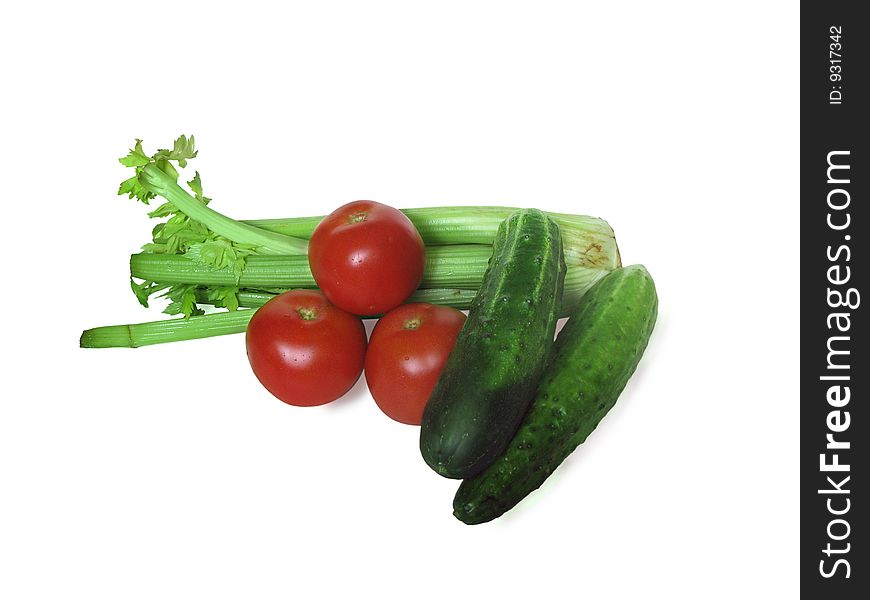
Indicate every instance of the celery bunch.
{"type": "Point", "coordinates": [199, 257]}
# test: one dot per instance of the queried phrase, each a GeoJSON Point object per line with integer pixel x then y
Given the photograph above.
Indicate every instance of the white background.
{"type": "Point", "coordinates": [168, 472]}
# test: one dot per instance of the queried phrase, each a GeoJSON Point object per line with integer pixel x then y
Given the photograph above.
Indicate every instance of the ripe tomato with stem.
{"type": "Point", "coordinates": [304, 350]}
{"type": "Point", "coordinates": [408, 349]}
{"type": "Point", "coordinates": [366, 257]}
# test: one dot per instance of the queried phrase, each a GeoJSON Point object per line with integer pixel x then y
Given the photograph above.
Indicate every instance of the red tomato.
{"type": "Point", "coordinates": [408, 349]}
{"type": "Point", "coordinates": [305, 350]}
{"type": "Point", "coordinates": [366, 257]}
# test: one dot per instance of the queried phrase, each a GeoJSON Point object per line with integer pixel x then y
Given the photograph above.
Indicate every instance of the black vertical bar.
{"type": "Point", "coordinates": [835, 363]}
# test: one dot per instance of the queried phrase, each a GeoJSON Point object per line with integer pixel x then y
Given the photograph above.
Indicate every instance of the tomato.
{"type": "Point", "coordinates": [366, 257]}
{"type": "Point", "coordinates": [305, 350]}
{"type": "Point", "coordinates": [407, 352]}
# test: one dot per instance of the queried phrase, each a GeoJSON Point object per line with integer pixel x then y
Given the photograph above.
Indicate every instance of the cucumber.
{"type": "Point", "coordinates": [490, 376]}
{"type": "Point", "coordinates": [594, 356]}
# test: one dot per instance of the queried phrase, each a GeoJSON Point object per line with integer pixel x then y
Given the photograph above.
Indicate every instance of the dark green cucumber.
{"type": "Point", "coordinates": [594, 356]}
{"type": "Point", "coordinates": [491, 374]}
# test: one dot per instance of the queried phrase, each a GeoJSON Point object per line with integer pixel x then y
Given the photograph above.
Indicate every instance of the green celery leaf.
{"type": "Point", "coordinates": [134, 189]}
{"type": "Point", "coordinates": [226, 297]}
{"type": "Point", "coordinates": [220, 253]}
{"type": "Point", "coordinates": [195, 185]}
{"type": "Point", "coordinates": [183, 301]}
{"type": "Point", "coordinates": [154, 248]}
{"type": "Point", "coordinates": [136, 157]}
{"type": "Point", "coordinates": [164, 210]}
{"type": "Point", "coordinates": [183, 150]}
{"type": "Point", "coordinates": [141, 291]}
{"type": "Point", "coordinates": [145, 289]}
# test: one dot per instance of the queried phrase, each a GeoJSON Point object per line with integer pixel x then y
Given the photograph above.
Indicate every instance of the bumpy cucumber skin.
{"type": "Point", "coordinates": [490, 377]}
{"type": "Point", "coordinates": [594, 356]}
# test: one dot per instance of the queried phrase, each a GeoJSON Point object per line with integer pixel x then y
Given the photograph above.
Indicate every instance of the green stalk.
{"type": "Point", "coordinates": [577, 282]}
{"type": "Point", "coordinates": [268, 241]}
{"type": "Point", "coordinates": [587, 241]}
{"type": "Point", "coordinates": [455, 298]}
{"type": "Point", "coordinates": [446, 267]}
{"type": "Point", "coordinates": [222, 323]}
{"type": "Point", "coordinates": [437, 225]}
{"type": "Point", "coordinates": [170, 330]}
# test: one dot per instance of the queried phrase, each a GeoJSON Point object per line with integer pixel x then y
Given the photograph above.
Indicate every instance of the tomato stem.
{"type": "Point", "coordinates": [413, 323]}
{"type": "Point", "coordinates": [306, 314]}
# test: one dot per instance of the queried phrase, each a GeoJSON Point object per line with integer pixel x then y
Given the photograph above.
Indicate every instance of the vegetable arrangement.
{"type": "Point", "coordinates": [500, 404]}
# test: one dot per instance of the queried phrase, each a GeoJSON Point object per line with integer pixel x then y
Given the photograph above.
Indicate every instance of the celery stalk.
{"type": "Point", "coordinates": [158, 182]}
{"type": "Point", "coordinates": [135, 335]}
{"type": "Point", "coordinates": [446, 267]}
{"type": "Point", "coordinates": [587, 241]}
{"type": "Point", "coordinates": [577, 282]}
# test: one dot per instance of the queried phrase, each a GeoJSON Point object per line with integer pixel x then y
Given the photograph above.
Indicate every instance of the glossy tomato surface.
{"type": "Point", "coordinates": [305, 350]}
{"type": "Point", "coordinates": [366, 257]}
{"type": "Point", "coordinates": [407, 352]}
